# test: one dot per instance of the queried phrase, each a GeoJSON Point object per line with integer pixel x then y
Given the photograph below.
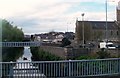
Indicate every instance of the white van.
{"type": "Point", "coordinates": [108, 45]}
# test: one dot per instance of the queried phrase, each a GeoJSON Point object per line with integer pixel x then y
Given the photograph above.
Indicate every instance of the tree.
{"type": "Point", "coordinates": [65, 42]}
{"type": "Point", "coordinates": [32, 37]}
{"type": "Point", "coordinates": [11, 33]}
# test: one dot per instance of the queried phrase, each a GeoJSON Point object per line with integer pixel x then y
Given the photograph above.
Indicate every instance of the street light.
{"type": "Point", "coordinates": [106, 22]}
{"type": "Point", "coordinates": [83, 27]}
{"type": "Point", "coordinates": [106, 35]}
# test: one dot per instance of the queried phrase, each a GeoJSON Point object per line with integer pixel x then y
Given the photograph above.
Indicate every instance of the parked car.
{"type": "Point", "coordinates": [118, 46]}
{"type": "Point", "coordinates": [111, 46]}
{"type": "Point", "coordinates": [108, 45]}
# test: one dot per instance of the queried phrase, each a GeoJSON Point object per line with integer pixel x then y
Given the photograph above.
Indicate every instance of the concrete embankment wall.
{"type": "Point", "coordinates": [58, 51]}
{"type": "Point", "coordinates": [70, 52]}
{"type": "Point", "coordinates": [66, 52]}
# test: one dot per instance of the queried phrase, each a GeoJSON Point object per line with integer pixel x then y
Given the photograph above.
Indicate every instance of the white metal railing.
{"type": "Point", "coordinates": [67, 68]}
{"type": "Point", "coordinates": [20, 44]}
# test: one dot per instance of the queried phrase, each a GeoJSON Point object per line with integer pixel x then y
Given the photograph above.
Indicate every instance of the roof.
{"type": "Point", "coordinates": [102, 24]}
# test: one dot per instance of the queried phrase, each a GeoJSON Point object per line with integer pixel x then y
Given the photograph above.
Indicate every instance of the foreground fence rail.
{"type": "Point", "coordinates": [68, 68]}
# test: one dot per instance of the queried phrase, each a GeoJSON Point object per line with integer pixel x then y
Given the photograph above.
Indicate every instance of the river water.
{"type": "Point", "coordinates": [26, 57]}
{"type": "Point", "coordinates": [26, 69]}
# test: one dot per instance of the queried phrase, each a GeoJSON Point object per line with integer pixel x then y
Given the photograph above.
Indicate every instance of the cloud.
{"type": "Point", "coordinates": [15, 7]}
{"type": "Point", "coordinates": [45, 15]}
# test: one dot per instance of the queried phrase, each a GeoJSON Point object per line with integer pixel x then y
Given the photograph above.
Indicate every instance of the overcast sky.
{"type": "Point", "coordinates": [39, 16]}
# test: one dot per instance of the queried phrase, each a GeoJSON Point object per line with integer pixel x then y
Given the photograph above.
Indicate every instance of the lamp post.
{"type": "Point", "coordinates": [106, 7]}
{"type": "Point", "coordinates": [106, 34]}
{"type": "Point", "coordinates": [83, 27]}
{"type": "Point", "coordinates": [67, 26]}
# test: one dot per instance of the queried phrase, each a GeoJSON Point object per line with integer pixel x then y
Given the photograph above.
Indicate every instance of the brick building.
{"type": "Point", "coordinates": [96, 30]}
{"type": "Point", "coordinates": [118, 12]}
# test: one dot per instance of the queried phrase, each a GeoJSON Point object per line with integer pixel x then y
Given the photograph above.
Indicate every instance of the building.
{"type": "Point", "coordinates": [118, 13]}
{"type": "Point", "coordinates": [96, 30]}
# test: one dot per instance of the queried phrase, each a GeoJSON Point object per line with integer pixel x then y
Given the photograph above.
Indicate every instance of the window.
{"type": "Point", "coordinates": [111, 32]}
{"type": "Point", "coordinates": [117, 33]}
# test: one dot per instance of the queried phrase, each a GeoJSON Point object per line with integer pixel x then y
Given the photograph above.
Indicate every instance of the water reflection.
{"type": "Point", "coordinates": [26, 57]}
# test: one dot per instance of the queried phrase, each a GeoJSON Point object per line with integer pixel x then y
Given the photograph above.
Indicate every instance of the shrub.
{"type": "Point", "coordinates": [102, 54]}
{"type": "Point", "coordinates": [85, 57]}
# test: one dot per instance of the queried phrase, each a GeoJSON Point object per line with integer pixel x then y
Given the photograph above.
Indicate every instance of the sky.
{"type": "Point", "coordinates": [40, 16]}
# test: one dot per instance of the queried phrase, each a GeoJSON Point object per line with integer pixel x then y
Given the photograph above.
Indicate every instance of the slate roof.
{"type": "Point", "coordinates": [102, 24]}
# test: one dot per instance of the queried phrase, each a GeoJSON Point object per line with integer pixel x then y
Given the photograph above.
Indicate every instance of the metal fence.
{"type": "Point", "coordinates": [67, 68]}
{"type": "Point", "coordinates": [20, 44]}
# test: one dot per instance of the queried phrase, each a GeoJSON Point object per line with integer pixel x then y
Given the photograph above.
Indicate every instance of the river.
{"type": "Point", "coordinates": [26, 57]}
{"type": "Point", "coordinates": [26, 69]}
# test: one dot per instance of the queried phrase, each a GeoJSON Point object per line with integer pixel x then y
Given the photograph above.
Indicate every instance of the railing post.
{"type": "Point", "coordinates": [69, 68]}
{"type": "Point", "coordinates": [0, 70]}
{"type": "Point", "coordinates": [0, 59]}
{"type": "Point", "coordinates": [11, 71]}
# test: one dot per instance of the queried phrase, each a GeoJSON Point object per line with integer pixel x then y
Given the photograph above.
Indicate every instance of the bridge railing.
{"type": "Point", "coordinates": [20, 44]}
{"type": "Point", "coordinates": [68, 68]}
